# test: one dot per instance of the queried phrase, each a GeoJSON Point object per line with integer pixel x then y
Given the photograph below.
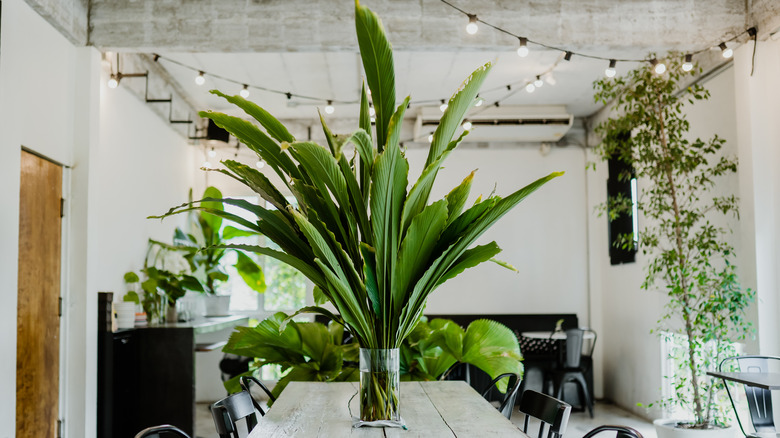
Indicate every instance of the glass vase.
{"type": "Point", "coordinates": [380, 386]}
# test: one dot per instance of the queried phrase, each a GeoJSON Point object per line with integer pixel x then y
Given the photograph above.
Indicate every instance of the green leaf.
{"type": "Point", "coordinates": [250, 272]}
{"type": "Point", "coordinates": [457, 107]}
{"type": "Point", "coordinates": [319, 297]}
{"type": "Point", "coordinates": [131, 297]}
{"type": "Point", "coordinates": [258, 182]}
{"type": "Point", "coordinates": [470, 258]}
{"type": "Point", "coordinates": [456, 198]}
{"type": "Point", "coordinates": [214, 222]}
{"type": "Point", "coordinates": [377, 56]}
{"type": "Point", "coordinates": [493, 348]}
{"type": "Point", "coordinates": [131, 277]}
{"type": "Point", "coordinates": [269, 122]}
{"type": "Point", "coordinates": [231, 232]}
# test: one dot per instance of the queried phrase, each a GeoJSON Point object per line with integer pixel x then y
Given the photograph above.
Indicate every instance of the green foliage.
{"type": "Point", "coordinates": [689, 255]}
{"type": "Point", "coordinates": [310, 351]}
{"type": "Point", "coordinates": [373, 250]}
{"type": "Point", "coordinates": [203, 247]}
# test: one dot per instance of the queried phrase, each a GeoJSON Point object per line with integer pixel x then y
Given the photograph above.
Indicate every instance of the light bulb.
{"type": "Point", "coordinates": [212, 153]}
{"type": "Point", "coordinates": [329, 108]}
{"type": "Point", "coordinates": [530, 88]}
{"type": "Point", "coordinates": [371, 111]}
{"type": "Point", "coordinates": [207, 164]}
{"type": "Point", "coordinates": [658, 67]}
{"type": "Point", "coordinates": [725, 51]}
{"type": "Point", "coordinates": [549, 78]}
{"type": "Point", "coordinates": [113, 82]}
{"type": "Point", "coordinates": [244, 91]}
{"type": "Point", "coordinates": [443, 106]}
{"type": "Point", "coordinates": [688, 64]}
{"type": "Point", "coordinates": [472, 27]}
{"type": "Point", "coordinates": [467, 125]}
{"type": "Point", "coordinates": [480, 101]}
{"type": "Point", "coordinates": [538, 82]}
{"type": "Point", "coordinates": [610, 71]}
{"type": "Point", "coordinates": [430, 138]}
{"type": "Point", "coordinates": [522, 51]}
{"type": "Point", "coordinates": [200, 79]}
{"type": "Point", "coordinates": [260, 164]}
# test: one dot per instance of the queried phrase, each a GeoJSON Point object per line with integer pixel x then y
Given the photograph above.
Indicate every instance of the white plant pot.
{"type": "Point", "coordinates": [665, 428]}
{"type": "Point", "coordinates": [217, 305]}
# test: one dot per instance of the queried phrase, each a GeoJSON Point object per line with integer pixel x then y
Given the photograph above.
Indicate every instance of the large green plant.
{"type": "Point", "coordinates": [374, 249]}
{"type": "Point", "coordinates": [689, 255]}
{"type": "Point", "coordinates": [310, 351]}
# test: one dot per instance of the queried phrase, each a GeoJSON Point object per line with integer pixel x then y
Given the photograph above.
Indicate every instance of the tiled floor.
{"type": "Point", "coordinates": [579, 423]}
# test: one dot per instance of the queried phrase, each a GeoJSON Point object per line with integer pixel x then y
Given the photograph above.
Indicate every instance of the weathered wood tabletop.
{"type": "Point", "coordinates": [430, 409]}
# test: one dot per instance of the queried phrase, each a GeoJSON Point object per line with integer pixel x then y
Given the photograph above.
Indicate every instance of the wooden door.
{"type": "Point", "coordinates": [38, 320]}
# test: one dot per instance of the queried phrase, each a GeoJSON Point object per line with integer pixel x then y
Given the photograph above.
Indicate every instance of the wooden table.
{"type": "Point", "coordinates": [430, 409]}
{"type": "Point", "coordinates": [770, 381]}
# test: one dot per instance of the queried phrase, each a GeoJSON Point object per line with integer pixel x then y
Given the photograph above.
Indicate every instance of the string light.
{"type": "Point", "coordinates": [260, 164]}
{"type": "Point", "coordinates": [658, 67]}
{"type": "Point", "coordinates": [443, 106]}
{"type": "Point", "coordinates": [480, 101]}
{"type": "Point", "coordinates": [549, 78]}
{"type": "Point", "coordinates": [610, 71]}
{"type": "Point", "coordinates": [567, 56]}
{"type": "Point", "coordinates": [430, 138]}
{"type": "Point", "coordinates": [522, 51]}
{"type": "Point", "coordinates": [244, 91]}
{"type": "Point", "coordinates": [329, 107]}
{"type": "Point", "coordinates": [371, 111]}
{"type": "Point", "coordinates": [538, 82]}
{"type": "Point", "coordinates": [530, 87]}
{"type": "Point", "coordinates": [212, 153]}
{"type": "Point", "coordinates": [688, 64]}
{"type": "Point", "coordinates": [467, 125]}
{"type": "Point", "coordinates": [725, 51]}
{"type": "Point", "coordinates": [200, 79]}
{"type": "Point", "coordinates": [113, 81]}
{"type": "Point", "coordinates": [207, 164]}
{"type": "Point", "coordinates": [472, 27]}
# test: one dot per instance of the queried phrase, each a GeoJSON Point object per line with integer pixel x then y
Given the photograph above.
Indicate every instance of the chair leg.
{"type": "Point", "coordinates": [587, 396]}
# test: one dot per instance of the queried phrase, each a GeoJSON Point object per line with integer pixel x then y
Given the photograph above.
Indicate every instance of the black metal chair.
{"type": "Point", "coordinates": [549, 410]}
{"type": "Point", "coordinates": [622, 431]}
{"type": "Point", "coordinates": [507, 403]}
{"type": "Point", "coordinates": [571, 368]}
{"type": "Point", "coordinates": [230, 410]}
{"type": "Point", "coordinates": [759, 400]}
{"type": "Point", "coordinates": [161, 430]}
{"type": "Point", "coordinates": [246, 381]}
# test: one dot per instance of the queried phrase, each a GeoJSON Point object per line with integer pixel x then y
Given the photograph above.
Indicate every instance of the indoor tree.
{"type": "Point", "coordinates": [689, 256]}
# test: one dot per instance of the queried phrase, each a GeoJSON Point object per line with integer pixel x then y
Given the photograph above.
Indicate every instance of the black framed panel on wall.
{"type": "Point", "coordinates": [621, 184]}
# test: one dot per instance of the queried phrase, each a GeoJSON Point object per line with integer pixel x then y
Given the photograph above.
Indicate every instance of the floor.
{"type": "Point", "coordinates": [579, 422]}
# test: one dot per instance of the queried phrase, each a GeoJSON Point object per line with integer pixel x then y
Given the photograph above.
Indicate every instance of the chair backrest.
{"type": "Point", "coordinates": [510, 396]}
{"type": "Point", "coordinates": [231, 409]}
{"type": "Point", "coordinates": [622, 431]}
{"type": "Point", "coordinates": [573, 354]}
{"type": "Point", "coordinates": [155, 431]}
{"type": "Point", "coordinates": [759, 400]}
{"type": "Point", "coordinates": [246, 383]}
{"type": "Point", "coordinates": [549, 410]}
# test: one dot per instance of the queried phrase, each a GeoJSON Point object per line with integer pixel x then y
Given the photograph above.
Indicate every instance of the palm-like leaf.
{"type": "Point", "coordinates": [373, 250]}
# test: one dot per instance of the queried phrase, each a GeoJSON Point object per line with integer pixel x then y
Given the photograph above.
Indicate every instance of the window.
{"type": "Point", "coordinates": [622, 186]}
{"type": "Point", "coordinates": [286, 288]}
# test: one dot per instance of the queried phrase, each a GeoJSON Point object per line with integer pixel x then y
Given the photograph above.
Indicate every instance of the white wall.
{"type": "Point", "coordinates": [630, 354]}
{"type": "Point", "coordinates": [126, 164]}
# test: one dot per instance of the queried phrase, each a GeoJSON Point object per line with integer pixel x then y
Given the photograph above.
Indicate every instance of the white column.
{"type": "Point", "coordinates": [758, 132]}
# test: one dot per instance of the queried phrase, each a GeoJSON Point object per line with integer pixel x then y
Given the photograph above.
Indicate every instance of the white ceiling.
{"type": "Point", "coordinates": [422, 75]}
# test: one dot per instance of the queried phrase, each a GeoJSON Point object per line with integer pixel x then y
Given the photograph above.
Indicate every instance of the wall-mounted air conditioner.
{"type": "Point", "coordinates": [524, 124]}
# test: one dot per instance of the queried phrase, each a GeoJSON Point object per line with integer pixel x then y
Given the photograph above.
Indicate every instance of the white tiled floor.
{"type": "Point", "coordinates": [579, 422]}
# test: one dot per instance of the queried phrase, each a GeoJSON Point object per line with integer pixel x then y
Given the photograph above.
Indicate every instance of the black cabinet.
{"type": "Point", "coordinates": [146, 376]}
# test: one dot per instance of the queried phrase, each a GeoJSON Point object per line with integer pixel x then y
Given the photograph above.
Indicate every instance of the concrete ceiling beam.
{"type": "Point", "coordinates": [303, 25]}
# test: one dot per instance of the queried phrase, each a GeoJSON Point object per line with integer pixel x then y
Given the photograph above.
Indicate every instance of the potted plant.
{"type": "Point", "coordinates": [311, 351]}
{"type": "Point", "coordinates": [202, 248]}
{"type": "Point", "coordinates": [689, 256]}
{"type": "Point", "coordinates": [375, 250]}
